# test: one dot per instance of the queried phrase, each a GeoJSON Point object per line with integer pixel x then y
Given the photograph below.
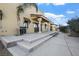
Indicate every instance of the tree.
{"type": "Point", "coordinates": [63, 29]}
{"type": "Point", "coordinates": [74, 24]}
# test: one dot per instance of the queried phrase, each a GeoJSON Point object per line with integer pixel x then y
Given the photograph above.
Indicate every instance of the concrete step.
{"type": "Point", "coordinates": [31, 46]}
{"type": "Point", "coordinates": [17, 51]}
{"type": "Point", "coordinates": [9, 41]}
{"type": "Point", "coordinates": [37, 37]}
{"type": "Point", "coordinates": [23, 48]}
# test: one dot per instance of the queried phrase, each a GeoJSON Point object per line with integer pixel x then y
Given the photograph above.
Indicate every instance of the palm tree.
{"type": "Point", "coordinates": [19, 10]}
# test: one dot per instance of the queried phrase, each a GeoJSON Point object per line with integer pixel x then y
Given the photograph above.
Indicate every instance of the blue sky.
{"type": "Point", "coordinates": [59, 13]}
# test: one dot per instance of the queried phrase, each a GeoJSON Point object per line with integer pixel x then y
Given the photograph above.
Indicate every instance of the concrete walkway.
{"type": "Point", "coordinates": [60, 45]}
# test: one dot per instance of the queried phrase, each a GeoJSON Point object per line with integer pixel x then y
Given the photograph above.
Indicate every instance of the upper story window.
{"type": "Point", "coordinates": [1, 14]}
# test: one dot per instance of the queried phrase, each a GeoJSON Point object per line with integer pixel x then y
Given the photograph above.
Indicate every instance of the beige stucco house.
{"type": "Point", "coordinates": [15, 17]}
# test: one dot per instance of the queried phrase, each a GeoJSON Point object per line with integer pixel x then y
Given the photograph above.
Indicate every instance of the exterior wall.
{"type": "Point", "coordinates": [10, 24]}
{"type": "Point", "coordinates": [9, 21]}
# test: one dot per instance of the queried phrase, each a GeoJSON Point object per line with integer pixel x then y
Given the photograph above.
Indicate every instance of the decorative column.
{"type": "Point", "coordinates": [39, 19]}
{"type": "Point", "coordinates": [43, 27]}
{"type": "Point", "coordinates": [48, 26]}
{"type": "Point", "coordinates": [30, 27]}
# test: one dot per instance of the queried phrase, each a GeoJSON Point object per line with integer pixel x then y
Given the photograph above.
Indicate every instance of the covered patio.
{"type": "Point", "coordinates": [41, 23]}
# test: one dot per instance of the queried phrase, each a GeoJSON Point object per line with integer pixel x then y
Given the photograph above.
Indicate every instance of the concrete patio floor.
{"type": "Point", "coordinates": [60, 45]}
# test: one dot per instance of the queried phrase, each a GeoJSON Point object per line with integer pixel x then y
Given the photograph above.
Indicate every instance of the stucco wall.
{"type": "Point", "coordinates": [9, 21]}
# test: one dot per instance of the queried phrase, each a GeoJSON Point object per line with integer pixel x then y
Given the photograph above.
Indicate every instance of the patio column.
{"type": "Point", "coordinates": [39, 19]}
{"type": "Point", "coordinates": [48, 26]}
{"type": "Point", "coordinates": [31, 27]}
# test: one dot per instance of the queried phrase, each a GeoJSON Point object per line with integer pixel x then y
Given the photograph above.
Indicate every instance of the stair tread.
{"type": "Point", "coordinates": [9, 39]}
{"type": "Point", "coordinates": [31, 45]}
{"type": "Point", "coordinates": [23, 48]}
{"type": "Point", "coordinates": [16, 51]}
{"type": "Point", "coordinates": [31, 37]}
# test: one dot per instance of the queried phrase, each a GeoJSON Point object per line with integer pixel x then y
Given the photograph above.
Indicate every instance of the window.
{"type": "Point", "coordinates": [1, 14]}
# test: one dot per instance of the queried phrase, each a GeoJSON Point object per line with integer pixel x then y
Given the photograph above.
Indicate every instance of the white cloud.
{"type": "Point", "coordinates": [54, 16]}
{"type": "Point", "coordinates": [55, 3]}
{"type": "Point", "coordinates": [64, 24]}
{"type": "Point", "coordinates": [57, 19]}
{"type": "Point", "coordinates": [52, 3]}
{"type": "Point", "coordinates": [70, 12]}
{"type": "Point", "coordinates": [58, 3]}
{"type": "Point", "coordinates": [40, 3]}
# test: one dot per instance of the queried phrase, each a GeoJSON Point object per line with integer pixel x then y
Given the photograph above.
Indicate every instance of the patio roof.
{"type": "Point", "coordinates": [41, 16]}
